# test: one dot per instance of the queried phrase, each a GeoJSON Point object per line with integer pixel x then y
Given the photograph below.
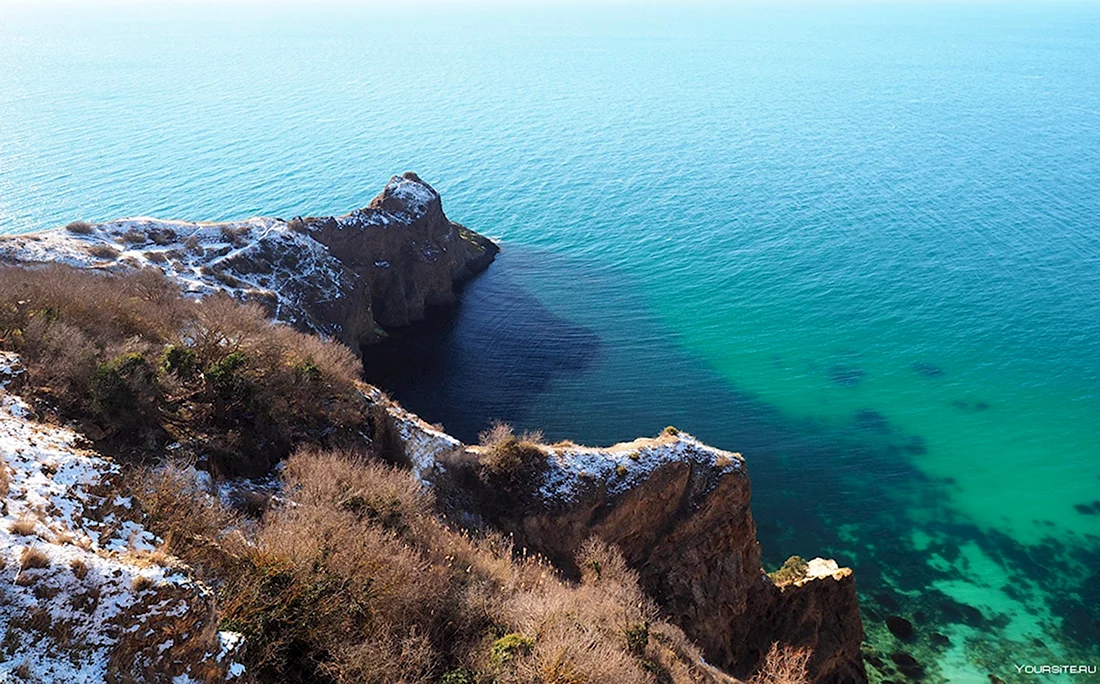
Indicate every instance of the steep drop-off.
{"type": "Point", "coordinates": [678, 509]}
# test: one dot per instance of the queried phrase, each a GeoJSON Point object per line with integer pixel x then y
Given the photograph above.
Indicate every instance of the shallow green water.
{"type": "Point", "coordinates": [857, 242]}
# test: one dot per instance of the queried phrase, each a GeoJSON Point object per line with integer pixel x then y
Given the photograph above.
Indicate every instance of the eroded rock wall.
{"type": "Point", "coordinates": [679, 511]}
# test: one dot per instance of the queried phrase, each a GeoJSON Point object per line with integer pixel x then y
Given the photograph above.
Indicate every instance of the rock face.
{"type": "Point", "coordinates": [679, 511]}
{"type": "Point", "coordinates": [84, 596]}
{"type": "Point", "coordinates": [405, 248]}
{"type": "Point", "coordinates": [341, 277]}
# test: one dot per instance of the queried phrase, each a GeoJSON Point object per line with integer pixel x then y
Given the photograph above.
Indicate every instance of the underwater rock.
{"type": "Point", "coordinates": [872, 421]}
{"type": "Point", "coordinates": [907, 664]}
{"type": "Point", "coordinates": [900, 627]}
{"type": "Point", "coordinates": [846, 376]}
{"type": "Point", "coordinates": [926, 369]}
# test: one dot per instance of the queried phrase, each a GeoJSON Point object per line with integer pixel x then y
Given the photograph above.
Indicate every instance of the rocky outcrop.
{"type": "Point", "coordinates": [821, 611]}
{"type": "Point", "coordinates": [342, 277]}
{"type": "Point", "coordinates": [679, 511]}
{"type": "Point", "coordinates": [84, 593]}
{"type": "Point", "coordinates": [405, 248]}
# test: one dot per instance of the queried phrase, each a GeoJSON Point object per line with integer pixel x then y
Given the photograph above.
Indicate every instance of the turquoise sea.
{"type": "Point", "coordinates": [857, 241]}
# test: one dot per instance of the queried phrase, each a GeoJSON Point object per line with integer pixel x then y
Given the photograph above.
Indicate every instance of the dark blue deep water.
{"type": "Point", "coordinates": [857, 242]}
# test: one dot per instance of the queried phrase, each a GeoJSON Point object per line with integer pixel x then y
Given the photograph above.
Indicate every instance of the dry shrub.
{"type": "Point", "coordinates": [502, 476]}
{"type": "Point", "coordinates": [141, 365]}
{"type": "Point", "coordinates": [192, 523]}
{"type": "Point", "coordinates": [605, 629]}
{"type": "Point", "coordinates": [783, 665]}
{"type": "Point", "coordinates": [79, 568]}
{"type": "Point", "coordinates": [509, 462]}
{"type": "Point", "coordinates": [134, 236]}
{"type": "Point", "coordinates": [103, 251]}
{"type": "Point", "coordinates": [334, 587]}
{"type": "Point", "coordinates": [5, 478]}
{"type": "Point", "coordinates": [79, 228]}
{"type": "Point", "coordinates": [356, 579]}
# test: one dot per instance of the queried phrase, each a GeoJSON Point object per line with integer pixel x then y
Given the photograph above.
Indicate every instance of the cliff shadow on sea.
{"type": "Point", "coordinates": [488, 357]}
{"type": "Point", "coordinates": [934, 586]}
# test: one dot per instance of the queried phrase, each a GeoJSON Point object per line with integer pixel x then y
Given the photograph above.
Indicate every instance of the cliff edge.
{"type": "Point", "coordinates": [679, 511]}
{"type": "Point", "coordinates": [342, 277]}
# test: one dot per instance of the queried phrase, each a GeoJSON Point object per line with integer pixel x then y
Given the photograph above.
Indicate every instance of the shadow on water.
{"type": "Point", "coordinates": [488, 358]}
{"type": "Point", "coordinates": [854, 492]}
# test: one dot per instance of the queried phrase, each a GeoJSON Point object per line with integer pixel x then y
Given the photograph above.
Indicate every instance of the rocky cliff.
{"type": "Point", "coordinates": [679, 511]}
{"type": "Point", "coordinates": [342, 277]}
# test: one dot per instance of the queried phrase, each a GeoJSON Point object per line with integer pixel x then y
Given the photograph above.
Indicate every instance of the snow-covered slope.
{"type": "Point", "coordinates": [260, 259]}
{"type": "Point", "coordinates": [85, 596]}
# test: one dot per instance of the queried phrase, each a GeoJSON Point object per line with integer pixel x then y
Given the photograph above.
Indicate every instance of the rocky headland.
{"type": "Point", "coordinates": [345, 277]}
{"type": "Point", "coordinates": [678, 510]}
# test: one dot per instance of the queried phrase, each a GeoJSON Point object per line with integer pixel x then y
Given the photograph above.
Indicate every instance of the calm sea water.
{"type": "Point", "coordinates": [859, 243]}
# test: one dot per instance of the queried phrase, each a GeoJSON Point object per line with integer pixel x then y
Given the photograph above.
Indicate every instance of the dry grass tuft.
{"type": "Point", "coordinates": [5, 478]}
{"type": "Point", "coordinates": [33, 557]}
{"type": "Point", "coordinates": [141, 583]}
{"type": "Point", "coordinates": [105, 252]}
{"type": "Point", "coordinates": [79, 568]}
{"type": "Point", "coordinates": [24, 526]}
{"type": "Point", "coordinates": [783, 665]}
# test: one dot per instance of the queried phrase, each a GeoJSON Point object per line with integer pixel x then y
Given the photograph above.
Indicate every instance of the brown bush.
{"type": "Point", "coordinates": [783, 665]}
{"type": "Point", "coordinates": [192, 524]}
{"type": "Point", "coordinates": [141, 365]}
{"type": "Point", "coordinates": [33, 557]}
{"type": "Point", "coordinates": [79, 228]}
{"type": "Point", "coordinates": [356, 579]}
{"type": "Point", "coordinates": [5, 478]}
{"type": "Point", "coordinates": [501, 476]}
{"type": "Point", "coordinates": [511, 461]}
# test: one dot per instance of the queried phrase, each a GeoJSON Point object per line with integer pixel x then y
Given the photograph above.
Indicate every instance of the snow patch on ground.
{"type": "Point", "coordinates": [82, 586]}
{"type": "Point", "coordinates": [258, 259]}
{"type": "Point", "coordinates": [416, 195]}
{"type": "Point", "coordinates": [624, 466]}
{"type": "Point", "coordinates": [424, 444]}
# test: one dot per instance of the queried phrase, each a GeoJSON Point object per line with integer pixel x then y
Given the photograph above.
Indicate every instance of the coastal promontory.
{"type": "Point", "coordinates": [194, 488]}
